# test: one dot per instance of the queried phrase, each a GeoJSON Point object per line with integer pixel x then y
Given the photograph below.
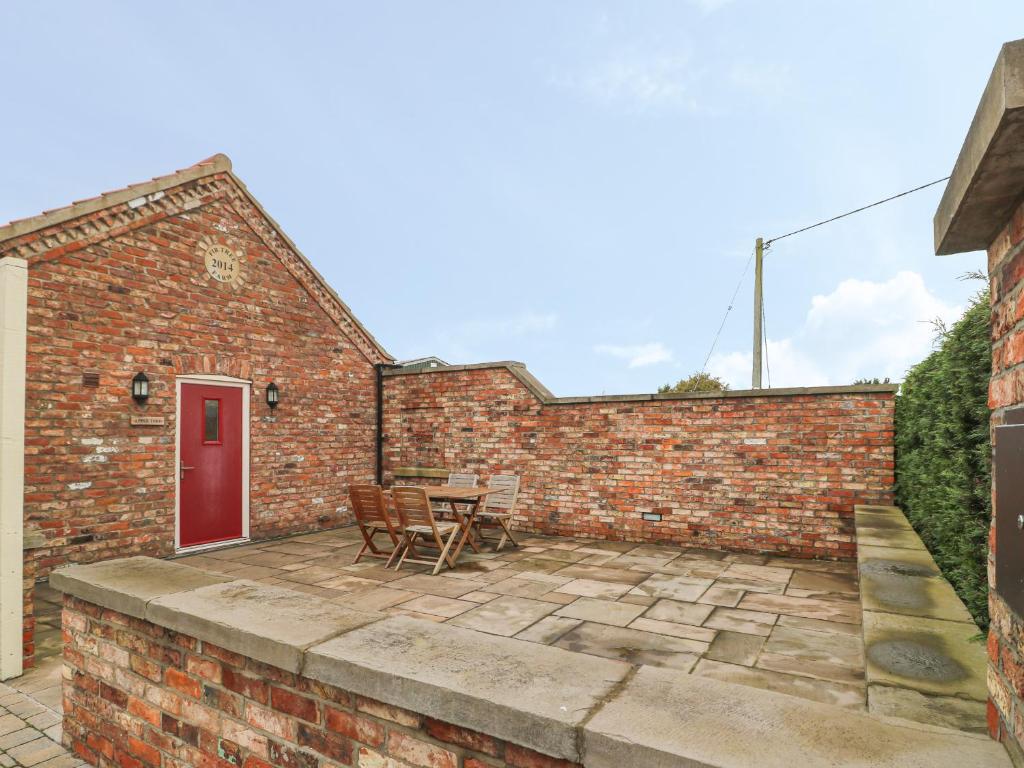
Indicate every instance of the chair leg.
{"type": "Point", "coordinates": [506, 533]}
{"type": "Point", "coordinates": [399, 546]}
{"type": "Point", "coordinates": [408, 549]}
{"type": "Point", "coordinates": [444, 552]}
{"type": "Point", "coordinates": [362, 551]}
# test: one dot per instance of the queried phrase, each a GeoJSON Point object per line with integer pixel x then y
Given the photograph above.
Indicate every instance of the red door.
{"type": "Point", "coordinates": [210, 470]}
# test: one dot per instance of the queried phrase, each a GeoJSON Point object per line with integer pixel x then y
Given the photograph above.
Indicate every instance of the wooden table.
{"type": "Point", "coordinates": [472, 498]}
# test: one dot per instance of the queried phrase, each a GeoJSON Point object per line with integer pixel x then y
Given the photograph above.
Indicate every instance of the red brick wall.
{"type": "Point", "coordinates": [126, 290]}
{"type": "Point", "coordinates": [778, 473]}
{"type": "Point", "coordinates": [1006, 631]}
{"type": "Point", "coordinates": [139, 696]}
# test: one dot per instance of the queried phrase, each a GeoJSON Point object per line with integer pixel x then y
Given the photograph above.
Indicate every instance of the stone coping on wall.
{"type": "Point", "coordinates": [924, 653]}
{"type": "Point", "coordinates": [544, 395]}
{"type": "Point", "coordinates": [985, 185]}
{"type": "Point", "coordinates": [599, 712]}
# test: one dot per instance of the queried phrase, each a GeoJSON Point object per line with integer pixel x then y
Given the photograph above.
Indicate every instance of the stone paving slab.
{"type": "Point", "coordinates": [706, 723]}
{"type": "Point", "coordinates": [128, 584]}
{"type": "Point", "coordinates": [256, 620]}
{"type": "Point", "coordinates": [522, 692]}
{"type": "Point", "coordinates": [945, 658]}
{"type": "Point", "coordinates": [632, 645]}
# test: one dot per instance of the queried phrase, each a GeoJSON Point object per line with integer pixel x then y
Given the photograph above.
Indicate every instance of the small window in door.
{"type": "Point", "coordinates": [211, 422]}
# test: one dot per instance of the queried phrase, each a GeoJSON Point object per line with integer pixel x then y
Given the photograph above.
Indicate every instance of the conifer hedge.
{"type": "Point", "coordinates": [943, 455]}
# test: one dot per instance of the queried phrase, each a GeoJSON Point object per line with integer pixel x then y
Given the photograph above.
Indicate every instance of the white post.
{"type": "Point", "coordinates": [13, 329]}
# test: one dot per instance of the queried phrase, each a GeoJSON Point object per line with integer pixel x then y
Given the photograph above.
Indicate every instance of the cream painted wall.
{"type": "Point", "coordinates": [13, 311]}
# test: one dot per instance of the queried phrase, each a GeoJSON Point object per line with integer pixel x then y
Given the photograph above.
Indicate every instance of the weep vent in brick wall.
{"type": "Point", "coordinates": [170, 666]}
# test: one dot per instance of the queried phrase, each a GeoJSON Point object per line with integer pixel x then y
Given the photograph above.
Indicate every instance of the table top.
{"type": "Point", "coordinates": [444, 493]}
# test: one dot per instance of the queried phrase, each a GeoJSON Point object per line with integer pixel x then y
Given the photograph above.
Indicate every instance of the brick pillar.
{"type": "Point", "coordinates": [13, 314]}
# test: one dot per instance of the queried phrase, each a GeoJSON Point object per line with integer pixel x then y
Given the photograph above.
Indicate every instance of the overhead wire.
{"type": "Point", "coordinates": [856, 210]}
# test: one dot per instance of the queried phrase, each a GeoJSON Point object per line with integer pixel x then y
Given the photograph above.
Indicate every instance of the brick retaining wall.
{"type": "Point", "coordinates": [137, 695]}
{"type": "Point", "coordinates": [773, 471]}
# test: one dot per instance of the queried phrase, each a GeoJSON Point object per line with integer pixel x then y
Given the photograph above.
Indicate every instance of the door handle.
{"type": "Point", "coordinates": [183, 468]}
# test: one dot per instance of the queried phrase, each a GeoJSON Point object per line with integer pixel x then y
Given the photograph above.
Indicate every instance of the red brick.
{"type": "Point", "coordinates": [181, 682]}
{"type": "Point", "coordinates": [145, 752]}
{"type": "Point", "coordinates": [355, 727]}
{"type": "Point", "coordinates": [205, 669]}
{"type": "Point", "coordinates": [293, 704]}
{"type": "Point", "coordinates": [331, 745]}
{"type": "Point", "coordinates": [420, 753]}
{"type": "Point", "coordinates": [520, 757]}
{"type": "Point", "coordinates": [463, 737]}
{"type": "Point", "coordinates": [275, 723]}
{"type": "Point", "coordinates": [250, 687]}
{"type": "Point", "coordinates": [388, 712]}
{"type": "Point", "coordinates": [147, 712]}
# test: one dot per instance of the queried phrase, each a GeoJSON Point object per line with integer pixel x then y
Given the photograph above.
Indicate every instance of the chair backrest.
{"type": "Point", "coordinates": [369, 506]}
{"type": "Point", "coordinates": [462, 480]}
{"type": "Point", "coordinates": [413, 506]}
{"type": "Point", "coordinates": [508, 495]}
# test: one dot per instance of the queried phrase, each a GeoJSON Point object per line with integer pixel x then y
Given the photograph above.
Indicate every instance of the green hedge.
{"type": "Point", "coordinates": [943, 456]}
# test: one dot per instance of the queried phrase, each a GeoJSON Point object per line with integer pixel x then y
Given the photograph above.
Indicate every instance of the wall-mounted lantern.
{"type": "Point", "coordinates": [273, 395]}
{"type": "Point", "coordinates": [140, 387]}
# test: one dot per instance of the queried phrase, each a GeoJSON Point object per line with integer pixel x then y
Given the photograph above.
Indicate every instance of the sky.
{"type": "Point", "coordinates": [574, 185]}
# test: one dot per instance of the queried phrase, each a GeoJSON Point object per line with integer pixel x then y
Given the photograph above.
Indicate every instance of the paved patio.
{"type": "Point", "coordinates": [791, 626]}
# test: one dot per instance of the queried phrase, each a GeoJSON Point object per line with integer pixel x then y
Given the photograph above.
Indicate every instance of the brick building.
{"type": "Point", "coordinates": [983, 208]}
{"type": "Point", "coordinates": [187, 281]}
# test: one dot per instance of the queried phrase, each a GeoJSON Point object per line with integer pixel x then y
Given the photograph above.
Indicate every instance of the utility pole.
{"type": "Point", "coordinates": [758, 313]}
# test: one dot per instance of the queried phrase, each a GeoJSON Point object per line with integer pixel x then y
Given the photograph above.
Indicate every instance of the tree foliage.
{"type": "Point", "coordinates": [697, 382]}
{"type": "Point", "coordinates": [943, 454]}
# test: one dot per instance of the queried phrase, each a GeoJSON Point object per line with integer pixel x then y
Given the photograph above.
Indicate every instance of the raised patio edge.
{"type": "Point", "coordinates": [564, 704]}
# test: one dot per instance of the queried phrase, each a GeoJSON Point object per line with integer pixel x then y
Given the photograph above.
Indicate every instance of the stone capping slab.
{"type": "Point", "coordinates": [128, 584]}
{"type": "Point", "coordinates": [530, 694]}
{"type": "Point", "coordinates": [988, 178]}
{"type": "Point", "coordinates": [664, 718]}
{"type": "Point", "coordinates": [544, 395]}
{"type": "Point", "coordinates": [267, 623]}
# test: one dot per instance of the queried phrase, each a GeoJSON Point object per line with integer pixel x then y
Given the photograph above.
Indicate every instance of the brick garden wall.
{"type": "Point", "coordinates": [1006, 631]}
{"type": "Point", "coordinates": [137, 695]}
{"type": "Point", "coordinates": [775, 473]}
{"type": "Point", "coordinates": [126, 290]}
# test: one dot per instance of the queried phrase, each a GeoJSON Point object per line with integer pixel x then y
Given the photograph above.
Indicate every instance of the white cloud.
{"type": "Point", "coordinates": [638, 355]}
{"type": "Point", "coordinates": [862, 329]}
{"type": "Point", "coordinates": [639, 80]}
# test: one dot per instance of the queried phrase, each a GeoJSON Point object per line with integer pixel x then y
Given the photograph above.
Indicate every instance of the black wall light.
{"type": "Point", "coordinates": [273, 395]}
{"type": "Point", "coordinates": [140, 387]}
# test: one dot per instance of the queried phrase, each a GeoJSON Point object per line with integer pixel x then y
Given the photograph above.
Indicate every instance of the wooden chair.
{"type": "Point", "coordinates": [373, 517]}
{"type": "Point", "coordinates": [500, 508]}
{"type": "Point", "coordinates": [456, 480]}
{"type": "Point", "coordinates": [418, 523]}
